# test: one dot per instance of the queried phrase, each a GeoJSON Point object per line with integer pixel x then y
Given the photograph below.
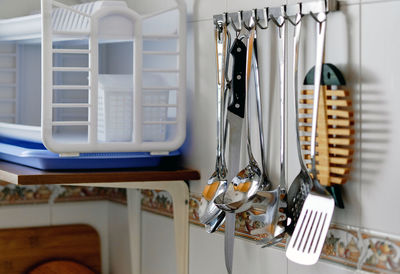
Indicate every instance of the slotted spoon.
{"type": "Point", "coordinates": [300, 187]}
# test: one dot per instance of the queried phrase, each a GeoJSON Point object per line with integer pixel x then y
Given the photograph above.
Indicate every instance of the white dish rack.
{"type": "Point", "coordinates": [95, 77]}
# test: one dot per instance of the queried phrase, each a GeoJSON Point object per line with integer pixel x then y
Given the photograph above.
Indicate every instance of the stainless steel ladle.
{"type": "Point", "coordinates": [248, 181]}
{"type": "Point", "coordinates": [209, 213]}
{"type": "Point", "coordinates": [275, 199]}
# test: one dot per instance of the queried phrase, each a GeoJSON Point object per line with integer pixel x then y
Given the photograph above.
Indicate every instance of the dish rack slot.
{"type": "Point", "coordinates": [8, 82]}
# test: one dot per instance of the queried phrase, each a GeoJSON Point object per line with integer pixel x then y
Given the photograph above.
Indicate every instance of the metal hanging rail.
{"type": "Point", "coordinates": [265, 14]}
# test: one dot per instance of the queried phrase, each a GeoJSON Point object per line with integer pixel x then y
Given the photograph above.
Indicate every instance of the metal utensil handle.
{"type": "Point", "coordinates": [220, 30]}
{"type": "Point", "coordinates": [227, 93]}
{"type": "Point", "coordinates": [282, 84]}
{"type": "Point", "coordinates": [250, 48]}
{"type": "Point", "coordinates": [259, 110]}
{"type": "Point", "coordinates": [296, 44]}
{"type": "Point", "coordinates": [321, 29]}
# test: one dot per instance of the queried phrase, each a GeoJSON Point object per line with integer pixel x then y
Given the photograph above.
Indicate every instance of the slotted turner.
{"type": "Point", "coordinates": [312, 226]}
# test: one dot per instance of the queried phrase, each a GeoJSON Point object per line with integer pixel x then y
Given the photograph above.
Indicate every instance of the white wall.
{"type": "Point", "coordinates": [118, 239]}
{"type": "Point", "coordinates": [11, 8]}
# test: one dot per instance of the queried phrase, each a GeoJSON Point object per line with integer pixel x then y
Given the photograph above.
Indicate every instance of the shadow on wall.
{"type": "Point", "coordinates": [270, 94]}
{"type": "Point", "coordinates": [375, 131]}
{"type": "Point", "coordinates": [190, 98]}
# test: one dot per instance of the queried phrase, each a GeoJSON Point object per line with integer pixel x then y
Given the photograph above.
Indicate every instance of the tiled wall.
{"type": "Point", "coordinates": [363, 42]}
{"type": "Point", "coordinates": [352, 247]}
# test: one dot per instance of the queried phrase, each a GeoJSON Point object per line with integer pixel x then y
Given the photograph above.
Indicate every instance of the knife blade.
{"type": "Point", "coordinates": [235, 117]}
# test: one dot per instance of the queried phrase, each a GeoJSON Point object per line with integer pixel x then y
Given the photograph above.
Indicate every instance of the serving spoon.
{"type": "Point", "coordinates": [209, 213]}
{"type": "Point", "coordinates": [273, 217]}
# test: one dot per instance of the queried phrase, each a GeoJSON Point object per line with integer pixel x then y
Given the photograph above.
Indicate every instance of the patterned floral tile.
{"type": "Point", "coordinates": [14, 194]}
{"type": "Point", "coordinates": [382, 254]}
{"type": "Point", "coordinates": [156, 201]}
{"type": "Point", "coordinates": [342, 246]}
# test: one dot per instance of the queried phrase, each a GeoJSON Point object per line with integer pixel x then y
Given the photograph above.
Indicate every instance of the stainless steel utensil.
{"type": "Point", "coordinates": [300, 187]}
{"type": "Point", "coordinates": [266, 184]}
{"type": "Point", "coordinates": [310, 232]}
{"type": "Point", "coordinates": [248, 181]}
{"type": "Point", "coordinates": [235, 116]}
{"type": "Point", "coordinates": [209, 214]}
{"type": "Point", "coordinates": [274, 217]}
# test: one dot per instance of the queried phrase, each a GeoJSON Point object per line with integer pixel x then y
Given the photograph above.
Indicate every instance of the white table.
{"type": "Point", "coordinates": [173, 181]}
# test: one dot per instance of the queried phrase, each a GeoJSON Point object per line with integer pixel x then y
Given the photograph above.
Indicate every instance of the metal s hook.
{"type": "Point", "coordinates": [321, 16]}
{"type": "Point", "coordinates": [264, 17]}
{"type": "Point", "coordinates": [240, 22]}
{"type": "Point", "coordinates": [298, 16]}
{"type": "Point", "coordinates": [220, 21]}
{"type": "Point", "coordinates": [252, 20]}
{"type": "Point", "coordinates": [280, 21]}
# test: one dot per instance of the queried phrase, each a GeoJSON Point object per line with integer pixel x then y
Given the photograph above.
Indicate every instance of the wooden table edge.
{"type": "Point", "coordinates": [22, 175]}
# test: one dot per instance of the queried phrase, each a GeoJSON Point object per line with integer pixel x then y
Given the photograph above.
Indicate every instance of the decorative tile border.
{"type": "Point", "coordinates": [347, 245]}
{"type": "Point", "coordinates": [13, 194]}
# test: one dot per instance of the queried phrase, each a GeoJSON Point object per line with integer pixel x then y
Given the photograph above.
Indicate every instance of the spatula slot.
{"type": "Point", "coordinates": [301, 223]}
{"type": "Point", "coordinates": [320, 230]}
{"type": "Point", "coordinates": [315, 229]}
{"type": "Point", "coordinates": [310, 229]}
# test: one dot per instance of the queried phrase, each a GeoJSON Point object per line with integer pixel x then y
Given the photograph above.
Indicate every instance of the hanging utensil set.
{"type": "Point", "coordinates": [303, 210]}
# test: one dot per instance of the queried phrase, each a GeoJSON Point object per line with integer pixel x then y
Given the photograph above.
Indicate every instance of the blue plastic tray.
{"type": "Point", "coordinates": [37, 156]}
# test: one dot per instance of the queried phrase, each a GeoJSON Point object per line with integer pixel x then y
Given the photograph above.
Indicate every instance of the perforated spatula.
{"type": "Point", "coordinates": [312, 226]}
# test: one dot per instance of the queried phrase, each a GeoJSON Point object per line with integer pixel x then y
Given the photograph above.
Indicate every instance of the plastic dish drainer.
{"type": "Point", "coordinates": [111, 80]}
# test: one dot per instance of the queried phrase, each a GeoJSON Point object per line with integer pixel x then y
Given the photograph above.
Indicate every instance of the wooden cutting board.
{"type": "Point", "coordinates": [22, 249]}
{"type": "Point", "coordinates": [61, 267]}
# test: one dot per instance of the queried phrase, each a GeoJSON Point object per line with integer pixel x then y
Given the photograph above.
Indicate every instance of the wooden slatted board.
{"type": "Point", "coordinates": [335, 132]}
{"type": "Point", "coordinates": [21, 249]}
